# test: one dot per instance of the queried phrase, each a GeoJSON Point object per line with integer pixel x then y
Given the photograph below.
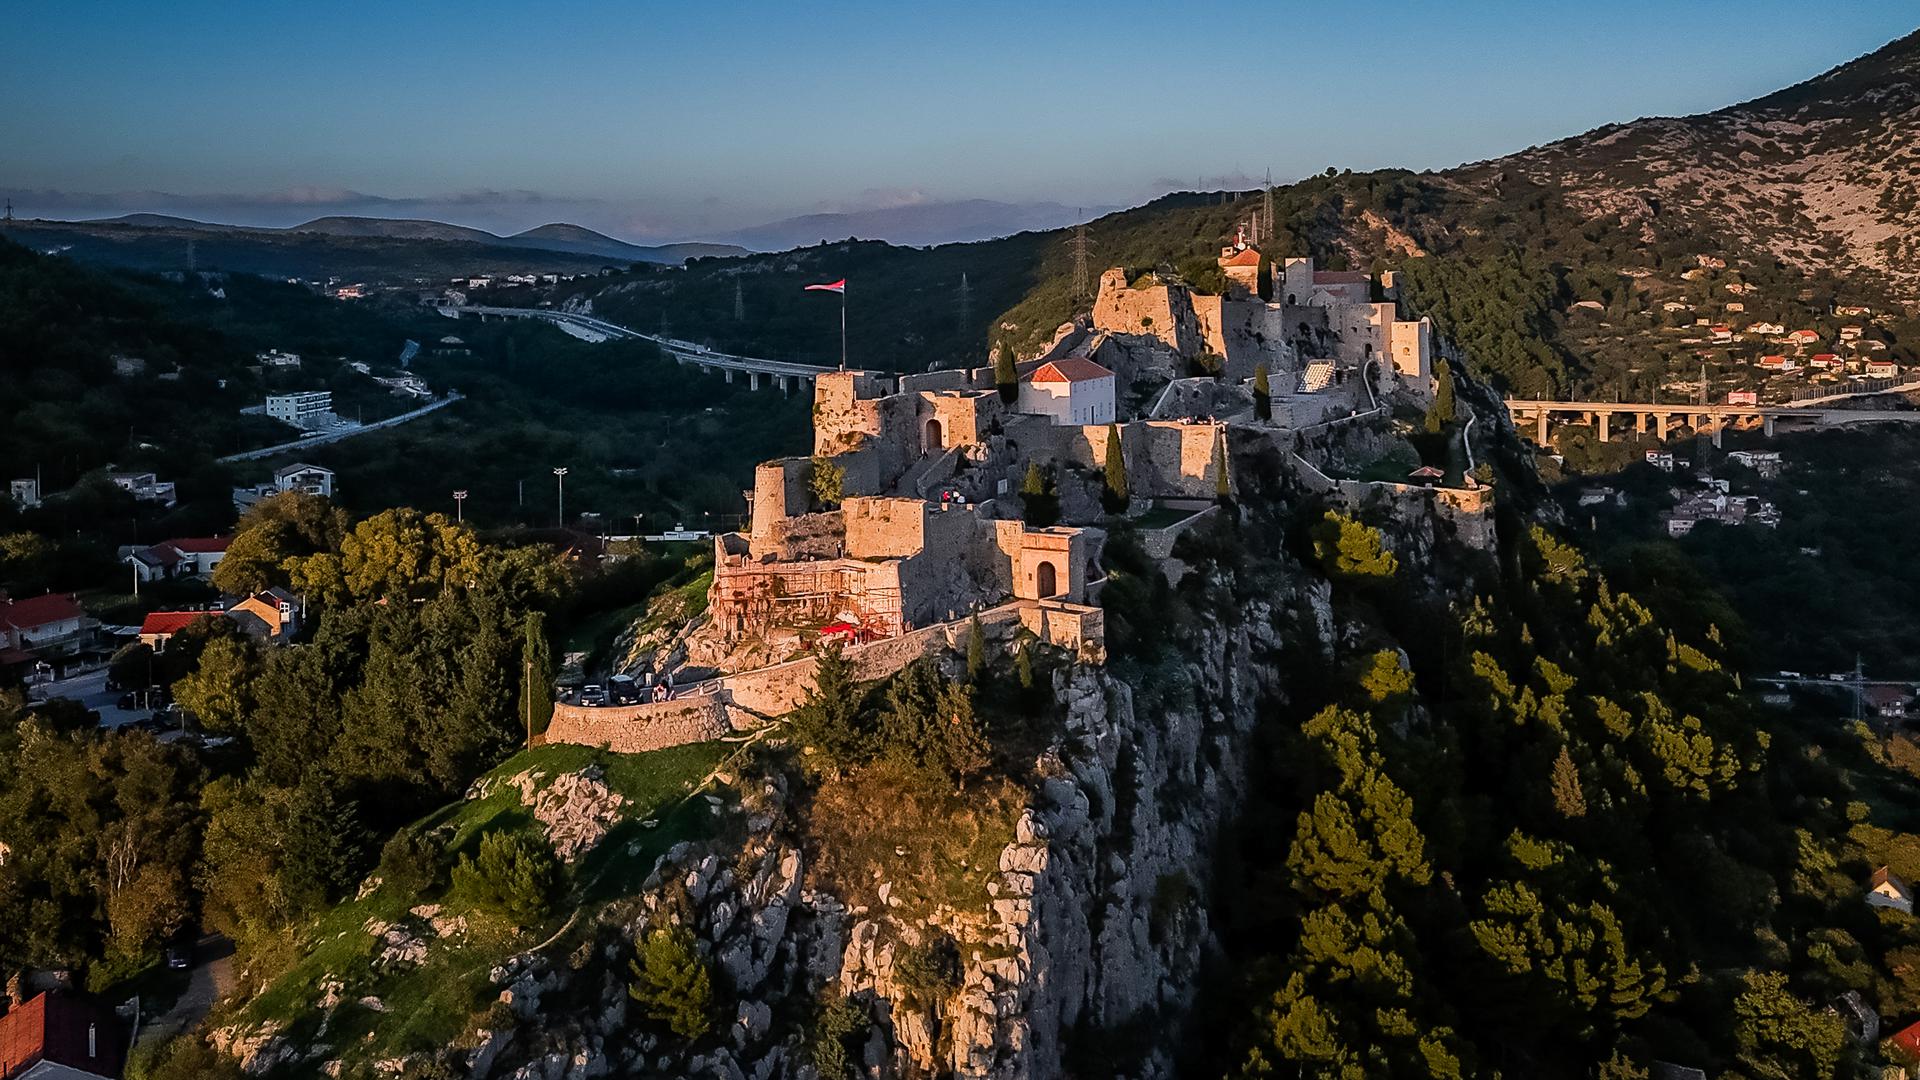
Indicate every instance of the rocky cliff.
{"type": "Point", "coordinates": [1091, 938]}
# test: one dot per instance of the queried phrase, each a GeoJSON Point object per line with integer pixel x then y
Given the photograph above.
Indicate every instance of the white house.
{"type": "Point", "coordinates": [312, 479]}
{"type": "Point", "coordinates": [184, 557]}
{"type": "Point", "coordinates": [301, 408]}
{"type": "Point", "coordinates": [1074, 390]}
{"type": "Point", "coordinates": [1889, 890]}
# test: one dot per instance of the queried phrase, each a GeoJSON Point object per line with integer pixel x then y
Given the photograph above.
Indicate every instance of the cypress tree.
{"type": "Point", "coordinates": [1006, 378]}
{"type": "Point", "coordinates": [1115, 496]}
{"type": "Point", "coordinates": [1567, 796]}
{"type": "Point", "coordinates": [1037, 494]}
{"type": "Point", "coordinates": [536, 675]}
{"type": "Point", "coordinates": [1441, 412]}
{"type": "Point", "coordinates": [976, 648]}
{"type": "Point", "coordinates": [1262, 395]}
{"type": "Point", "coordinates": [1222, 490]}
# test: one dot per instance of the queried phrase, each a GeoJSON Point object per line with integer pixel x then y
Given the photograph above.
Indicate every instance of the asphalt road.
{"type": "Point", "coordinates": [91, 690]}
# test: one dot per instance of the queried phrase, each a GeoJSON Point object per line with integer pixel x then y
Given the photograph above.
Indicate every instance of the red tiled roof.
{"type": "Point", "coordinates": [1340, 277]}
{"type": "Point", "coordinates": [1070, 370]}
{"type": "Point", "coordinates": [1243, 257]}
{"type": "Point", "coordinates": [39, 611]}
{"type": "Point", "coordinates": [62, 1030]}
{"type": "Point", "coordinates": [171, 622]}
{"type": "Point", "coordinates": [198, 545]}
{"type": "Point", "coordinates": [1907, 1038]}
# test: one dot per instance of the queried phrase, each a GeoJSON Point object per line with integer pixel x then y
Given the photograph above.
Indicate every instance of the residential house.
{"type": "Point", "coordinates": [1825, 361]}
{"type": "Point", "coordinates": [299, 476]}
{"type": "Point", "coordinates": [1852, 311]}
{"type": "Point", "coordinates": [1883, 369]}
{"type": "Point", "coordinates": [272, 615]}
{"type": "Point", "coordinates": [146, 487]}
{"type": "Point", "coordinates": [274, 358]}
{"type": "Point", "coordinates": [1767, 463]}
{"type": "Point", "coordinates": [1777, 365]}
{"type": "Point", "coordinates": [159, 627]}
{"type": "Point", "coordinates": [1071, 390]}
{"type": "Point", "coordinates": [1722, 334]}
{"type": "Point", "coordinates": [58, 1036]}
{"type": "Point", "coordinates": [1889, 890]}
{"type": "Point", "coordinates": [1803, 337]}
{"type": "Point", "coordinates": [40, 621]}
{"type": "Point", "coordinates": [1767, 329]}
{"type": "Point", "coordinates": [1887, 702]}
{"type": "Point", "coordinates": [184, 557]}
{"type": "Point", "coordinates": [1851, 333]}
{"type": "Point", "coordinates": [411, 385]}
{"type": "Point", "coordinates": [126, 367]}
{"type": "Point", "coordinates": [1735, 307]}
{"type": "Point", "coordinates": [1743, 397]}
{"type": "Point", "coordinates": [1661, 460]}
{"type": "Point", "coordinates": [25, 492]}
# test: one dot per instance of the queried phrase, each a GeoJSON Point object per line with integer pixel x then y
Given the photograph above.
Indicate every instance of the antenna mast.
{"type": "Point", "coordinates": [964, 299]}
{"type": "Point", "coordinates": [739, 303]}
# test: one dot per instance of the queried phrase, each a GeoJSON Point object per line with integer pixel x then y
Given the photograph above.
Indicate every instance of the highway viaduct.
{"type": "Point", "coordinates": [784, 374]}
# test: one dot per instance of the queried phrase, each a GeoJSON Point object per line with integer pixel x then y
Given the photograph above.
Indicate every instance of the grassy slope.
{"type": "Point", "coordinates": [430, 1005]}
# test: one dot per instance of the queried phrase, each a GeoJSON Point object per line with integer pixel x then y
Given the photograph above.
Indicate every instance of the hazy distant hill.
{"type": "Point", "coordinates": [919, 225]}
{"type": "Point", "coordinates": [355, 248]}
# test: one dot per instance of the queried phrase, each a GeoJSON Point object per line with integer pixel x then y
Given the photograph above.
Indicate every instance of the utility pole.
{"type": "Point", "coordinates": [459, 506]}
{"type": "Point", "coordinates": [739, 303]}
{"type": "Point", "coordinates": [964, 300]}
{"type": "Point", "coordinates": [9, 217]}
{"type": "Point", "coordinates": [560, 490]}
{"type": "Point", "coordinates": [1859, 687]}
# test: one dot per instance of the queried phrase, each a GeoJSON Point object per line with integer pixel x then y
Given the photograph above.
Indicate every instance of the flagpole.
{"type": "Point", "coordinates": [843, 329]}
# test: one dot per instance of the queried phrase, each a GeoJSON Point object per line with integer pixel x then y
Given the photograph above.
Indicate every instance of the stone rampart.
{"type": "Point", "coordinates": [634, 729]}
{"type": "Point", "coordinates": [744, 701]}
{"type": "Point", "coordinates": [1158, 543]}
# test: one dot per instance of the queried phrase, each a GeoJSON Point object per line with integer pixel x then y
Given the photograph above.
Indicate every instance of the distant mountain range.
{"type": "Point", "coordinates": [574, 239]}
{"type": "Point", "coordinates": [915, 225]}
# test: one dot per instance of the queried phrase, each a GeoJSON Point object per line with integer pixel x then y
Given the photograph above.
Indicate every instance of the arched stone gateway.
{"type": "Point", "coordinates": [935, 437]}
{"type": "Point", "coordinates": [1046, 581]}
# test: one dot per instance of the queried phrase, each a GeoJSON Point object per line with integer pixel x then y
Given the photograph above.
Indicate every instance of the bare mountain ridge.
{"type": "Point", "coordinates": [1825, 175]}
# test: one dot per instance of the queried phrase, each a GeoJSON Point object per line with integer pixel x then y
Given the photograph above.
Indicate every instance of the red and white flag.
{"type": "Point", "coordinates": [837, 286]}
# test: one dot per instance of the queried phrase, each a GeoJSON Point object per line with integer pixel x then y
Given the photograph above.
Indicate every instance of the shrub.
{"type": "Point", "coordinates": [410, 862]}
{"type": "Point", "coordinates": [929, 971]}
{"type": "Point", "coordinates": [673, 983]}
{"type": "Point", "coordinates": [826, 482]}
{"type": "Point", "coordinates": [838, 1029]}
{"type": "Point", "coordinates": [514, 877]}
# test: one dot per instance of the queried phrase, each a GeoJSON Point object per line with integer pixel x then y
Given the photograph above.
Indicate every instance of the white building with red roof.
{"type": "Point", "coordinates": [1071, 390]}
{"type": "Point", "coordinates": [39, 620]}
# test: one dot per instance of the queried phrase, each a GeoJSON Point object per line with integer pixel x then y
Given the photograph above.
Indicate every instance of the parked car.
{"type": "Point", "coordinates": [180, 955]}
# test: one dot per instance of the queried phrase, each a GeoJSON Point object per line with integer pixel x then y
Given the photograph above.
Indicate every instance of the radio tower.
{"type": "Point", "coordinates": [964, 300]}
{"type": "Point", "coordinates": [9, 218]}
{"type": "Point", "coordinates": [1265, 232]}
{"type": "Point", "coordinates": [1080, 245]}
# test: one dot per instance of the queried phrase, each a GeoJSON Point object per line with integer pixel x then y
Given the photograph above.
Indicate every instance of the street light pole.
{"type": "Point", "coordinates": [560, 481]}
{"type": "Point", "coordinates": [459, 506]}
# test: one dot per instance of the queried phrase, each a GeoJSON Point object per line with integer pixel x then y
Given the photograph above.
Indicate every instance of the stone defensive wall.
{"type": "Point", "coordinates": [747, 700]}
{"type": "Point", "coordinates": [1165, 458]}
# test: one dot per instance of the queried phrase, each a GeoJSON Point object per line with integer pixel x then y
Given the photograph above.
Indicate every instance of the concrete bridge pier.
{"type": "Point", "coordinates": [1602, 419]}
{"type": "Point", "coordinates": [729, 375]}
{"type": "Point", "coordinates": [784, 383]}
{"type": "Point", "coordinates": [753, 380]}
{"type": "Point", "coordinates": [1540, 429]}
{"type": "Point", "coordinates": [1640, 423]}
{"type": "Point", "coordinates": [1766, 425]}
{"type": "Point", "coordinates": [705, 370]}
{"type": "Point", "coordinates": [1660, 425]}
{"type": "Point", "coordinates": [1719, 425]}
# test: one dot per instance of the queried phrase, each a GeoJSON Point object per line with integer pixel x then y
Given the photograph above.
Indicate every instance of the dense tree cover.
{"type": "Point", "coordinates": [917, 722]}
{"type": "Point", "coordinates": [101, 834]}
{"type": "Point", "coordinates": [1832, 583]}
{"type": "Point", "coordinates": [673, 983]}
{"type": "Point", "coordinates": [401, 690]}
{"type": "Point", "coordinates": [1534, 831]}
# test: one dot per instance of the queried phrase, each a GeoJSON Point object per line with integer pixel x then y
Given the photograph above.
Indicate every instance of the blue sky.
{"type": "Point", "coordinates": [663, 120]}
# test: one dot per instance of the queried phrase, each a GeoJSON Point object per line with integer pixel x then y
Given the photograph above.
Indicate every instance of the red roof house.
{"type": "Point", "coordinates": [1908, 1040]}
{"type": "Point", "coordinates": [159, 626]}
{"type": "Point", "coordinates": [38, 618]}
{"type": "Point", "coordinates": [60, 1036]}
{"type": "Point", "coordinates": [1070, 369]}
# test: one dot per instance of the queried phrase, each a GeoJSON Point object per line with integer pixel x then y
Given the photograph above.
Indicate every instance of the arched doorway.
{"type": "Point", "coordinates": [934, 439]}
{"type": "Point", "coordinates": [1045, 580]}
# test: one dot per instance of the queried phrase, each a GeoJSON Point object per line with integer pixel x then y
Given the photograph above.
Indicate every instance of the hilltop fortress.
{"type": "Point", "coordinates": [931, 498]}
